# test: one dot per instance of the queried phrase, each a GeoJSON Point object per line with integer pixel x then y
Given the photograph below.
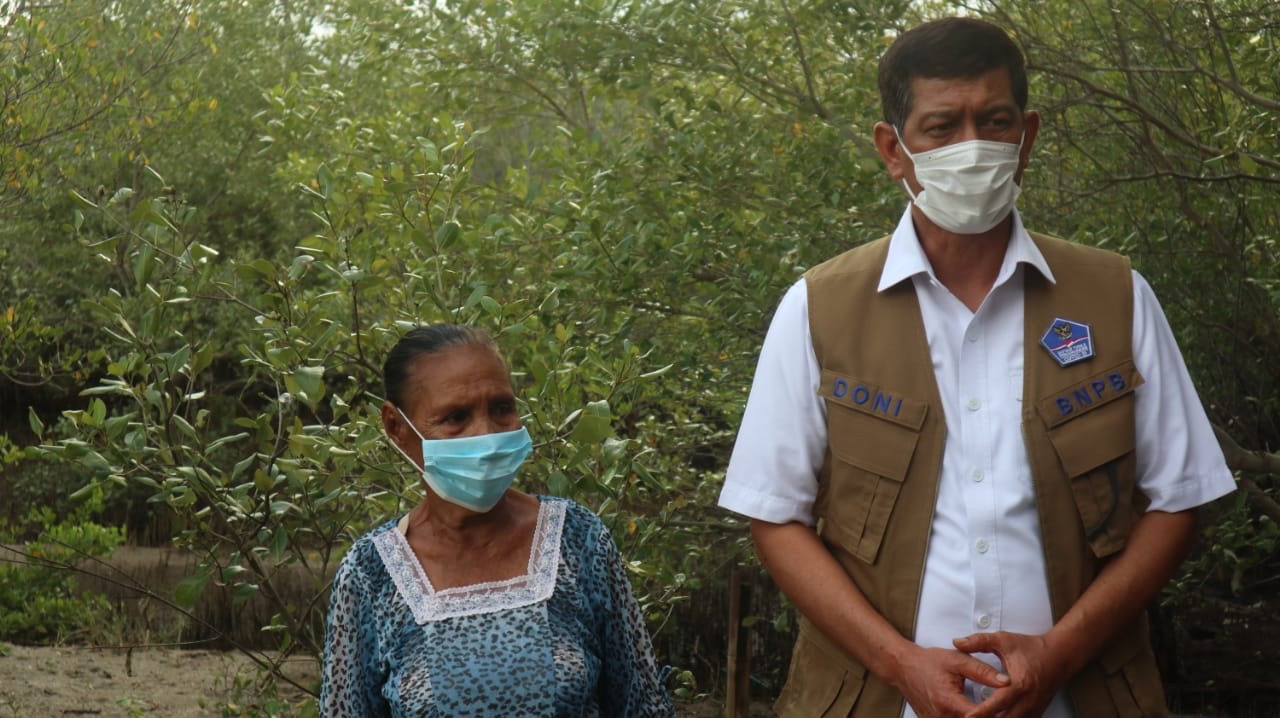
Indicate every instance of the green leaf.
{"type": "Point", "coordinates": [656, 372]}
{"type": "Point", "coordinates": [177, 361]}
{"type": "Point", "coordinates": [241, 466]}
{"type": "Point", "coordinates": [243, 593]}
{"type": "Point", "coordinates": [97, 411]}
{"type": "Point", "coordinates": [121, 195]}
{"type": "Point", "coordinates": [324, 178]}
{"type": "Point", "coordinates": [223, 441]}
{"type": "Point", "coordinates": [262, 481]}
{"type": "Point", "coordinates": [594, 423]}
{"type": "Point", "coordinates": [143, 266]}
{"type": "Point", "coordinates": [559, 484]}
{"type": "Point", "coordinates": [83, 491]}
{"type": "Point", "coordinates": [190, 589]}
{"type": "Point", "coordinates": [491, 306]}
{"type": "Point", "coordinates": [257, 269]}
{"type": "Point", "coordinates": [33, 419]}
{"type": "Point", "coordinates": [474, 297]}
{"type": "Point", "coordinates": [185, 427]}
{"type": "Point", "coordinates": [232, 572]}
{"type": "Point", "coordinates": [782, 623]}
{"type": "Point", "coordinates": [279, 542]}
{"type": "Point", "coordinates": [311, 381]}
{"type": "Point", "coordinates": [84, 202]}
{"type": "Point", "coordinates": [446, 234]}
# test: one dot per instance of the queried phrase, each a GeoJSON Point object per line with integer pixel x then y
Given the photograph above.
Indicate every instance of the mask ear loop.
{"type": "Point", "coordinates": [396, 445]}
{"type": "Point", "coordinates": [911, 157]}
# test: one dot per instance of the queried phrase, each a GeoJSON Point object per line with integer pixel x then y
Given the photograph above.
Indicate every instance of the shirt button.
{"type": "Point", "coordinates": [977, 475]}
{"type": "Point", "coordinates": [985, 692]}
{"type": "Point", "coordinates": [984, 621]}
{"type": "Point", "coordinates": [982, 545]}
{"type": "Point", "coordinates": [971, 336]}
{"type": "Point", "coordinates": [973, 404]}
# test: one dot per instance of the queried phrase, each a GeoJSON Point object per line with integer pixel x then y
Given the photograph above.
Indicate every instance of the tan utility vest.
{"type": "Point", "coordinates": [886, 432]}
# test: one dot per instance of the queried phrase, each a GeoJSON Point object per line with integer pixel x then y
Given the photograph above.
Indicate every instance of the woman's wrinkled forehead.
{"type": "Point", "coordinates": [429, 373]}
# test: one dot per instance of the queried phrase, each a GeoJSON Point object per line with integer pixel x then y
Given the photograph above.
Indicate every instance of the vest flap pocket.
{"type": "Point", "coordinates": [1097, 455]}
{"type": "Point", "coordinates": [869, 398]}
{"type": "Point", "coordinates": [1100, 437]}
{"type": "Point", "coordinates": [1130, 674]}
{"type": "Point", "coordinates": [1080, 398]}
{"type": "Point", "coordinates": [872, 430]}
{"type": "Point", "coordinates": [822, 680]}
{"type": "Point", "coordinates": [870, 458]}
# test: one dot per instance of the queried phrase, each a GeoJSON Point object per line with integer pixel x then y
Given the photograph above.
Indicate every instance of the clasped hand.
{"type": "Point", "coordinates": [933, 681]}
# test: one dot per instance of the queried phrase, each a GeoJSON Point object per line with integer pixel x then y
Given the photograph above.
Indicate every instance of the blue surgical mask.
{"type": "Point", "coordinates": [472, 471]}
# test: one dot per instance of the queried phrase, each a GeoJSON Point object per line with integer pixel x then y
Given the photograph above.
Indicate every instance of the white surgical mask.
{"type": "Point", "coordinates": [967, 187]}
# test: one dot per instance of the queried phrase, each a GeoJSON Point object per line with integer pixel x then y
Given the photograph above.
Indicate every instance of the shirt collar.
{"type": "Point", "coordinates": [906, 257]}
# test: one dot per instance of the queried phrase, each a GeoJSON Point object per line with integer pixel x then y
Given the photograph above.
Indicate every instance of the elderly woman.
{"type": "Point", "coordinates": [482, 600]}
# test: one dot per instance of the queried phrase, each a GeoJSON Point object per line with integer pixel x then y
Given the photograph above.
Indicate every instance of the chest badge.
{"type": "Point", "coordinates": [1069, 342]}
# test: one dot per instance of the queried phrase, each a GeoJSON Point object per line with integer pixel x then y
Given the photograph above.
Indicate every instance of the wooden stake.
{"type": "Point", "coordinates": [737, 692]}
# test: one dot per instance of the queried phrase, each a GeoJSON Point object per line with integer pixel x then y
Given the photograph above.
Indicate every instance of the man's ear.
{"type": "Point", "coordinates": [1030, 130]}
{"type": "Point", "coordinates": [890, 150]}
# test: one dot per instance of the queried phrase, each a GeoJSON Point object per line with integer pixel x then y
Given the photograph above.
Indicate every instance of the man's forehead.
{"type": "Point", "coordinates": [990, 91]}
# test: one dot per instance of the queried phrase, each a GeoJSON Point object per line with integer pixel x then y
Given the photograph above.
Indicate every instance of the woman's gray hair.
{"type": "Point", "coordinates": [424, 341]}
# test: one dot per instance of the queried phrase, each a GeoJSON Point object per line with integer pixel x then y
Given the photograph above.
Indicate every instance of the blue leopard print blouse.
{"type": "Point", "coordinates": [565, 639]}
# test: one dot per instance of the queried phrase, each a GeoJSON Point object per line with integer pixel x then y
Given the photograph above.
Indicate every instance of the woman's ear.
{"type": "Point", "coordinates": [395, 425]}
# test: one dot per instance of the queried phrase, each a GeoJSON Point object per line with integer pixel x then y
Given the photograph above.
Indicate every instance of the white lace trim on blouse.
{"type": "Point", "coordinates": [428, 604]}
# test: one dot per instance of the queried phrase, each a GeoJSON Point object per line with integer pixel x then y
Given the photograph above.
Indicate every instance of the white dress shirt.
{"type": "Point", "coordinates": [984, 570]}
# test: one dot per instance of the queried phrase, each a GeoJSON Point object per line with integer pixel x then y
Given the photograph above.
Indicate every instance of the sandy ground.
{"type": "Point", "coordinates": [74, 681]}
{"type": "Point", "coordinates": [41, 681]}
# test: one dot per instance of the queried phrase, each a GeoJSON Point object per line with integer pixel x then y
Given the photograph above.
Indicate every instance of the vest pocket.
{"type": "Point", "coordinates": [869, 461]}
{"type": "Point", "coordinates": [1096, 453]}
{"type": "Point", "coordinates": [1130, 676]}
{"type": "Point", "coordinates": [822, 680]}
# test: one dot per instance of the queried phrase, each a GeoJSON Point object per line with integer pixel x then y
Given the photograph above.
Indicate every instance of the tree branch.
{"type": "Point", "coordinates": [1241, 459]}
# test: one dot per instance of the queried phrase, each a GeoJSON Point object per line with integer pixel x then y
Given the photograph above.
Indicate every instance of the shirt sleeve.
{"type": "Point", "coordinates": [1180, 464]}
{"type": "Point", "coordinates": [350, 681]}
{"type": "Point", "coordinates": [630, 683]}
{"type": "Point", "coordinates": [773, 471]}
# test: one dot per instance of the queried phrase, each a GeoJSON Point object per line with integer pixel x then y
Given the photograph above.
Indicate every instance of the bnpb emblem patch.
{"type": "Point", "coordinates": [1069, 342]}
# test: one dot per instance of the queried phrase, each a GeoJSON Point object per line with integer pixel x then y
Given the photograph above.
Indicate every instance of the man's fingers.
{"type": "Point", "coordinates": [978, 643]}
{"type": "Point", "coordinates": [979, 672]}
{"type": "Point", "coordinates": [1000, 701]}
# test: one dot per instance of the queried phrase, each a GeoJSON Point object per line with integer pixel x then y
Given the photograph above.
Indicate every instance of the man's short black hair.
{"type": "Point", "coordinates": [943, 49]}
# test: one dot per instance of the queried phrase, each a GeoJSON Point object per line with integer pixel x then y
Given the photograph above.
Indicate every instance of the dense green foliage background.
{"type": "Point", "coordinates": [216, 216]}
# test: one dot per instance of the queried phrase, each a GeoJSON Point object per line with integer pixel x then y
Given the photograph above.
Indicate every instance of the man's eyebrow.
{"type": "Point", "coordinates": [999, 108]}
{"type": "Point", "coordinates": [939, 115]}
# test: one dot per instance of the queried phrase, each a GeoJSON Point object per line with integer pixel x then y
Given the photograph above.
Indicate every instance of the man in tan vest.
{"type": "Point", "coordinates": [971, 454]}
